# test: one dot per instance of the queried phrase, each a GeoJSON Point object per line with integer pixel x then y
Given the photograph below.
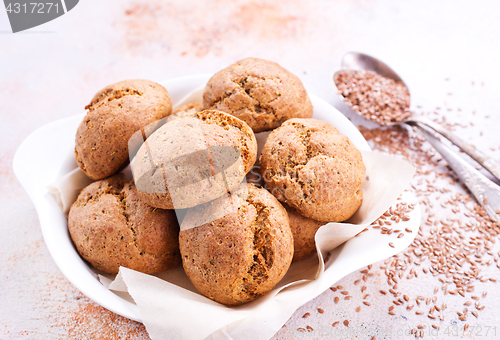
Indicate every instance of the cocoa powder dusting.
{"type": "Point", "coordinates": [144, 25]}
{"type": "Point", "coordinates": [92, 321]}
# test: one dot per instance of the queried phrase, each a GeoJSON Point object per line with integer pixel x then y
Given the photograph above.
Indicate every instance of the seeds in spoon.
{"type": "Point", "coordinates": [377, 98]}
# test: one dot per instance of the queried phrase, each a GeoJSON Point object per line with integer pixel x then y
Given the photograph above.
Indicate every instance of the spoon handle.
{"type": "Point", "coordinates": [485, 191]}
{"type": "Point", "coordinates": [487, 162]}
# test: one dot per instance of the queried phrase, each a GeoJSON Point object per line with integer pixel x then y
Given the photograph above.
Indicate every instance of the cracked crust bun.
{"type": "Point", "coordinates": [111, 227]}
{"type": "Point", "coordinates": [194, 159]}
{"type": "Point", "coordinates": [313, 168]}
{"type": "Point", "coordinates": [260, 92]}
{"type": "Point", "coordinates": [114, 115]}
{"type": "Point", "coordinates": [242, 255]}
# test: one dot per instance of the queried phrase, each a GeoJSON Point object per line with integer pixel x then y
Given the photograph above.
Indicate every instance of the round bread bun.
{"type": "Point", "coordinates": [114, 115]}
{"type": "Point", "coordinates": [194, 159]}
{"type": "Point", "coordinates": [236, 249]}
{"type": "Point", "coordinates": [312, 167]}
{"type": "Point", "coordinates": [111, 227]}
{"type": "Point", "coordinates": [259, 92]}
{"type": "Point", "coordinates": [304, 230]}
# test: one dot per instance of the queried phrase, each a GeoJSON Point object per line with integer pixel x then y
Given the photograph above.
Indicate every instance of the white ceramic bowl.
{"type": "Point", "coordinates": [45, 156]}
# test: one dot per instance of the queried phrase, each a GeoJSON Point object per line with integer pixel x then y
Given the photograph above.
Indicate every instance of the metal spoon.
{"type": "Point", "coordinates": [484, 190]}
{"type": "Point", "coordinates": [359, 61]}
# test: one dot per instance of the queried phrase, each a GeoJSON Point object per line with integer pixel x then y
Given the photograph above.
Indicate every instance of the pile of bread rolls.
{"type": "Point", "coordinates": [236, 240]}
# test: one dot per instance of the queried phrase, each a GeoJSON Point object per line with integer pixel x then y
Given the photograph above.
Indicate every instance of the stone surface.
{"type": "Point", "coordinates": [446, 51]}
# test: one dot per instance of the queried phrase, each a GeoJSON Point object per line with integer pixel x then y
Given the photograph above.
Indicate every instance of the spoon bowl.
{"type": "Point", "coordinates": [363, 62]}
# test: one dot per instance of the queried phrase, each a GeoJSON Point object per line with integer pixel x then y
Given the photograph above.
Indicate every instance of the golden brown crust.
{"type": "Point", "coordinates": [309, 165]}
{"type": "Point", "coordinates": [111, 227]}
{"type": "Point", "coordinates": [241, 256]}
{"type": "Point", "coordinates": [303, 230]}
{"type": "Point", "coordinates": [114, 115]}
{"type": "Point", "coordinates": [188, 108]}
{"type": "Point", "coordinates": [259, 92]}
{"type": "Point", "coordinates": [179, 164]}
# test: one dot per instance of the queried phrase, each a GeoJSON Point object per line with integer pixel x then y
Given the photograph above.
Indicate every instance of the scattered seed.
{"type": "Point", "coordinates": [450, 248]}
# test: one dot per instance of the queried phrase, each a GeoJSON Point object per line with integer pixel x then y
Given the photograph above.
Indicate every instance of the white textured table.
{"type": "Point", "coordinates": [447, 53]}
